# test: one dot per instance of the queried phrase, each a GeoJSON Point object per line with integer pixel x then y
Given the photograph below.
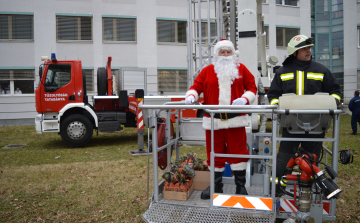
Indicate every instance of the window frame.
{"type": "Point", "coordinates": [134, 18]}
{"type": "Point", "coordinates": [91, 69]}
{"type": "Point", "coordinates": [177, 74]}
{"type": "Point", "coordinates": [10, 15]}
{"type": "Point", "coordinates": [283, 4]}
{"type": "Point", "coordinates": [358, 34]}
{"type": "Point", "coordinates": [205, 24]}
{"type": "Point", "coordinates": [12, 80]}
{"type": "Point", "coordinates": [176, 42]}
{"type": "Point", "coordinates": [78, 16]}
{"type": "Point", "coordinates": [284, 35]}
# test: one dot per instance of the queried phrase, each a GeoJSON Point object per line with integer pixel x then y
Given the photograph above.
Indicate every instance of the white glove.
{"type": "Point", "coordinates": [240, 101]}
{"type": "Point", "coordinates": [189, 100]}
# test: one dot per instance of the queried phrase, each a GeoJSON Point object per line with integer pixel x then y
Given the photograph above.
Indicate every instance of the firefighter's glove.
{"type": "Point", "coordinates": [189, 99]}
{"type": "Point", "coordinates": [240, 101]}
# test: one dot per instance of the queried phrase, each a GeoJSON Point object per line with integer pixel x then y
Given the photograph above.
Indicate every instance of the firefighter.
{"type": "Point", "coordinates": [302, 76]}
{"type": "Point", "coordinates": [226, 82]}
{"type": "Point", "coordinates": [354, 107]}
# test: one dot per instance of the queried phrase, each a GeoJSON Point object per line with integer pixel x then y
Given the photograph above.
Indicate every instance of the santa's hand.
{"type": "Point", "coordinates": [189, 100]}
{"type": "Point", "coordinates": [240, 101]}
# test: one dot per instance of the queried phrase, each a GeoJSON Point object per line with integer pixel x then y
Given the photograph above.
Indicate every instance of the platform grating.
{"type": "Point", "coordinates": [165, 213]}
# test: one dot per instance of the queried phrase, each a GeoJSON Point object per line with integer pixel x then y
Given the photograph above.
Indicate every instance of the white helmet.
{"type": "Point", "coordinates": [298, 42]}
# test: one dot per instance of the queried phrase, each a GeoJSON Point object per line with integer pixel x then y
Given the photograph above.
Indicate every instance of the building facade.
{"type": "Point", "coordinates": [148, 34]}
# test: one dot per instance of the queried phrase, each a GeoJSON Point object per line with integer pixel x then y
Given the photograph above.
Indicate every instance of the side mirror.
{"type": "Point", "coordinates": [41, 69]}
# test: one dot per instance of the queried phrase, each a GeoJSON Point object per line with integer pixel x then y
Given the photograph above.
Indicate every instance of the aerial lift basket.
{"type": "Point", "coordinates": [297, 123]}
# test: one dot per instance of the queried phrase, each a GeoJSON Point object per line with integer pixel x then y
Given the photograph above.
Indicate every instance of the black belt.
{"type": "Point", "coordinates": [224, 116]}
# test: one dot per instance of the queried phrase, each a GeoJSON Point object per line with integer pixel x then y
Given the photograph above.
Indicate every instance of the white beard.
{"type": "Point", "coordinates": [226, 71]}
{"type": "Point", "coordinates": [226, 67]}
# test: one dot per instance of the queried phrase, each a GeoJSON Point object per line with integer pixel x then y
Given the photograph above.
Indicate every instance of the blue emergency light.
{"type": "Point", "coordinates": [53, 56]}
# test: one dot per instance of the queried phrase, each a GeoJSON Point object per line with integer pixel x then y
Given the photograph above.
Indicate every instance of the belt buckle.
{"type": "Point", "coordinates": [226, 117]}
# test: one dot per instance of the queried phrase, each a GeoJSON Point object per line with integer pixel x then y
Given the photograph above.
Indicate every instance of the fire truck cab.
{"type": "Point", "coordinates": [63, 107]}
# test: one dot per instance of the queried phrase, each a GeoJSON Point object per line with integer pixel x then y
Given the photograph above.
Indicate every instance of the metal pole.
{"type": "Point", "coordinates": [212, 162]}
{"type": "Point", "coordinates": [233, 22]}
{"type": "Point", "coordinates": [209, 33]}
{"type": "Point", "coordinates": [218, 6]}
{"type": "Point", "coordinates": [275, 134]}
{"type": "Point", "coordinates": [199, 32]}
{"type": "Point", "coordinates": [168, 137]}
{"type": "Point", "coordinates": [190, 42]}
{"type": "Point", "coordinates": [177, 134]}
{"type": "Point", "coordinates": [155, 158]}
{"type": "Point", "coordinates": [335, 157]}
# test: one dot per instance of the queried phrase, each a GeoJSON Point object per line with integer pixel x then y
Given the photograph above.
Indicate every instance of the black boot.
{"type": "Point", "coordinates": [205, 195]}
{"type": "Point", "coordinates": [240, 180]}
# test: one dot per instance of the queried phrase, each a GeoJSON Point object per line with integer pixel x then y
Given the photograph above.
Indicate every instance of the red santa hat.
{"type": "Point", "coordinates": [224, 43]}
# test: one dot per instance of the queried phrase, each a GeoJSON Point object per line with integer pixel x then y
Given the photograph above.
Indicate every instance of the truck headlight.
{"type": "Point", "coordinates": [38, 118]}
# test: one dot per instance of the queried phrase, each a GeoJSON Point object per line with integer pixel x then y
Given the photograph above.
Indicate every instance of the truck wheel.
{"type": "Point", "coordinates": [101, 81]}
{"type": "Point", "coordinates": [76, 130]}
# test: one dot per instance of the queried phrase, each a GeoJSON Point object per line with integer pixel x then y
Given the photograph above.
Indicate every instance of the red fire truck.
{"type": "Point", "coordinates": [63, 107]}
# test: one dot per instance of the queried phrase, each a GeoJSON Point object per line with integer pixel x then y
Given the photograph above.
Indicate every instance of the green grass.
{"type": "Point", "coordinates": [102, 182]}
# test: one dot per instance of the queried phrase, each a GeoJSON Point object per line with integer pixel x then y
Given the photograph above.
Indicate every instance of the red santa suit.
{"type": "Point", "coordinates": [229, 135]}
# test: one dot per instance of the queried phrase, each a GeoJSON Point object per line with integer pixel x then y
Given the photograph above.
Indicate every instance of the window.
{"type": "Point", "coordinates": [17, 81]}
{"type": "Point", "coordinates": [119, 29]}
{"type": "Point", "coordinates": [283, 35]}
{"type": "Point", "coordinates": [204, 32]}
{"type": "Point", "coordinates": [57, 76]}
{"type": "Point", "coordinates": [171, 31]}
{"type": "Point", "coordinates": [173, 81]}
{"type": "Point", "coordinates": [89, 75]}
{"type": "Point", "coordinates": [287, 2]}
{"type": "Point", "coordinates": [70, 28]}
{"type": "Point", "coordinates": [16, 27]}
{"type": "Point", "coordinates": [358, 79]}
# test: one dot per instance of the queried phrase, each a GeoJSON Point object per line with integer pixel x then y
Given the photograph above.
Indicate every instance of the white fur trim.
{"type": "Point", "coordinates": [193, 92]}
{"type": "Point", "coordinates": [224, 90]}
{"type": "Point", "coordinates": [222, 44]}
{"type": "Point", "coordinates": [250, 96]}
{"type": "Point", "coordinates": [239, 121]}
{"type": "Point", "coordinates": [238, 166]}
{"type": "Point", "coordinates": [218, 169]}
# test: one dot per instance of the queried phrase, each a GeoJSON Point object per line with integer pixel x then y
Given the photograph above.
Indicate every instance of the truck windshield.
{"type": "Point", "coordinates": [57, 76]}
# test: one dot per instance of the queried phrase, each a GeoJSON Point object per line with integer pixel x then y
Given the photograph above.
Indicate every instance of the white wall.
{"type": "Point", "coordinates": [145, 53]}
{"type": "Point", "coordinates": [350, 50]}
{"type": "Point", "coordinates": [287, 16]}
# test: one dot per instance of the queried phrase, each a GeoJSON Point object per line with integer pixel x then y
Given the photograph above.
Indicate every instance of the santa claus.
{"type": "Point", "coordinates": [225, 82]}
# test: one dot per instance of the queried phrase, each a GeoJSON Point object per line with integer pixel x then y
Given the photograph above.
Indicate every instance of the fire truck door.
{"type": "Point", "coordinates": [58, 87]}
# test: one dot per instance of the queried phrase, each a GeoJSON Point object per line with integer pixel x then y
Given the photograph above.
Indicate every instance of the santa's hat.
{"type": "Point", "coordinates": [224, 43]}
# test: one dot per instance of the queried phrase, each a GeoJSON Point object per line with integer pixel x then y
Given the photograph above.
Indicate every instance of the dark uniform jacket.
{"type": "Point", "coordinates": [301, 78]}
{"type": "Point", "coordinates": [354, 104]}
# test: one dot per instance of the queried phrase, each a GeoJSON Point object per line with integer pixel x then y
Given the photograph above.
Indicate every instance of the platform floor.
{"type": "Point", "coordinates": [195, 201]}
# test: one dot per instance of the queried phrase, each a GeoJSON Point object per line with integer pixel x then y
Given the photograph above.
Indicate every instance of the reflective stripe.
{"type": "Point", "coordinates": [282, 183]}
{"type": "Point", "coordinates": [274, 101]}
{"type": "Point", "coordinates": [299, 82]}
{"type": "Point", "coordinates": [336, 96]}
{"type": "Point", "coordinates": [289, 205]}
{"type": "Point", "coordinates": [287, 76]}
{"type": "Point", "coordinates": [315, 76]}
{"type": "Point", "coordinates": [247, 202]}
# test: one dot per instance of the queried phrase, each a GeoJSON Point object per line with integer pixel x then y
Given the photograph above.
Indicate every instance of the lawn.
{"type": "Point", "coordinates": [47, 181]}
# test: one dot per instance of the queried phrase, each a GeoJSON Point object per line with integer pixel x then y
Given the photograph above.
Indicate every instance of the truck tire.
{"type": "Point", "coordinates": [101, 81]}
{"type": "Point", "coordinates": [76, 130]}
